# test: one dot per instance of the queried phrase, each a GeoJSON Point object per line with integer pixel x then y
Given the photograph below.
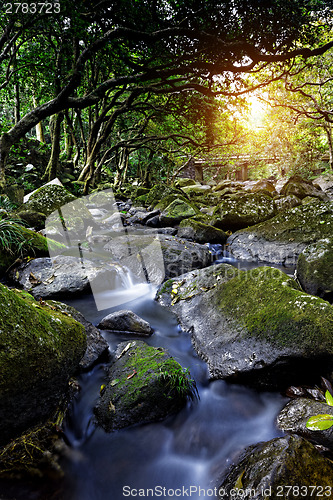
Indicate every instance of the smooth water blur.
{"type": "Point", "coordinates": [186, 452]}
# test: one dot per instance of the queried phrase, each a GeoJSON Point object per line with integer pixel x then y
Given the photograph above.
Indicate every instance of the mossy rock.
{"type": "Point", "coordinates": [288, 467]}
{"type": "Point", "coordinates": [48, 198]}
{"type": "Point", "coordinates": [302, 188]}
{"type": "Point", "coordinates": [197, 190]}
{"type": "Point", "coordinates": [315, 269]}
{"type": "Point", "coordinates": [184, 181]}
{"type": "Point", "coordinates": [240, 211]}
{"type": "Point", "coordinates": [159, 192]}
{"type": "Point", "coordinates": [140, 200]}
{"type": "Point", "coordinates": [41, 350]}
{"type": "Point", "coordinates": [144, 384]}
{"type": "Point", "coordinates": [256, 327]}
{"type": "Point", "coordinates": [286, 202]}
{"type": "Point", "coordinates": [177, 211]}
{"type": "Point", "coordinates": [201, 233]}
{"type": "Point", "coordinates": [33, 219]}
{"type": "Point", "coordinates": [284, 237]}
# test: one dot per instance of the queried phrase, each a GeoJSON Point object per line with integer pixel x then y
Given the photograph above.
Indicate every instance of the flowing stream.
{"type": "Point", "coordinates": [182, 456]}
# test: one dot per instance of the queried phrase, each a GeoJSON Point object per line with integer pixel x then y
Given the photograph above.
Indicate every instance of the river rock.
{"type": "Point", "coordinates": [48, 198]}
{"type": "Point", "coordinates": [160, 192]}
{"type": "Point", "coordinates": [200, 232]}
{"type": "Point", "coordinates": [97, 347]}
{"type": "Point", "coordinates": [62, 276]}
{"type": "Point", "coordinates": [41, 350]}
{"type": "Point", "coordinates": [285, 202]}
{"type": "Point", "coordinates": [288, 467]}
{"type": "Point", "coordinates": [126, 322]}
{"type": "Point", "coordinates": [301, 188]}
{"type": "Point", "coordinates": [253, 327]}
{"type": "Point", "coordinates": [296, 413]}
{"type": "Point", "coordinates": [33, 219]}
{"type": "Point", "coordinates": [243, 210]}
{"type": "Point", "coordinates": [281, 239]}
{"type": "Point", "coordinates": [264, 185]}
{"type": "Point", "coordinates": [144, 384]}
{"type": "Point", "coordinates": [325, 182]}
{"type": "Point", "coordinates": [162, 255]}
{"type": "Point", "coordinates": [185, 181]}
{"type": "Point", "coordinates": [175, 212]}
{"type": "Point", "coordinates": [315, 269]}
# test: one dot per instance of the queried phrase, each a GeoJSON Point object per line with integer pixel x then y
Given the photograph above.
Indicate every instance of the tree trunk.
{"type": "Point", "coordinates": [328, 130]}
{"type": "Point", "coordinates": [39, 127]}
{"type": "Point", "coordinates": [5, 145]}
{"type": "Point", "coordinates": [51, 171]}
{"type": "Point", "coordinates": [122, 166]}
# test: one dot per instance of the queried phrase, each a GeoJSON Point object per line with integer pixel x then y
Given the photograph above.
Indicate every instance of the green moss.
{"type": "Point", "coordinates": [301, 224]}
{"type": "Point", "coordinates": [34, 339]}
{"type": "Point", "coordinates": [48, 198]}
{"type": "Point", "coordinates": [271, 306]}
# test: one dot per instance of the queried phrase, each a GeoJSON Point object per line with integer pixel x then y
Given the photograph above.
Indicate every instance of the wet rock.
{"type": "Point", "coordinates": [200, 232]}
{"type": "Point", "coordinates": [126, 322]}
{"type": "Point", "coordinates": [281, 239]}
{"type": "Point", "coordinates": [66, 277]}
{"type": "Point", "coordinates": [267, 469]}
{"type": "Point", "coordinates": [174, 254]}
{"type": "Point", "coordinates": [41, 350]}
{"type": "Point", "coordinates": [144, 384]}
{"type": "Point", "coordinates": [296, 413]}
{"type": "Point", "coordinates": [97, 347]}
{"type": "Point", "coordinates": [315, 269]}
{"type": "Point", "coordinates": [301, 188]}
{"type": "Point", "coordinates": [243, 210]}
{"type": "Point", "coordinates": [256, 327]}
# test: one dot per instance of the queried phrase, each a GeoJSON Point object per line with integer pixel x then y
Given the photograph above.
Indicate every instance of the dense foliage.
{"type": "Point", "coordinates": [133, 88]}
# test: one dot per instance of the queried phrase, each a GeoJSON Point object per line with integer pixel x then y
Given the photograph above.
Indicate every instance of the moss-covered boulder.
{"type": "Point", "coordinates": [286, 202]}
{"type": "Point", "coordinates": [255, 327]}
{"type": "Point", "coordinates": [201, 233]}
{"type": "Point", "coordinates": [283, 238]}
{"type": "Point", "coordinates": [325, 182]}
{"type": "Point", "coordinates": [315, 269]}
{"type": "Point", "coordinates": [288, 467]}
{"type": "Point", "coordinates": [161, 191]}
{"type": "Point", "coordinates": [32, 219]}
{"type": "Point", "coordinates": [177, 211]}
{"type": "Point", "coordinates": [243, 210]}
{"type": "Point", "coordinates": [264, 185]}
{"type": "Point", "coordinates": [144, 384]}
{"type": "Point", "coordinates": [295, 414]}
{"type": "Point", "coordinates": [48, 198]}
{"type": "Point", "coordinates": [184, 181]}
{"type": "Point", "coordinates": [40, 350]}
{"type": "Point", "coordinates": [197, 190]}
{"type": "Point", "coordinates": [301, 188]}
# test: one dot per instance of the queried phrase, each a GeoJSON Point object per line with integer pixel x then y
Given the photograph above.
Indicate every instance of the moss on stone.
{"type": "Point", "coordinates": [48, 198]}
{"type": "Point", "coordinates": [301, 224]}
{"type": "Point", "coordinates": [271, 306]}
{"type": "Point", "coordinates": [145, 384]}
{"type": "Point", "coordinates": [40, 349]}
{"type": "Point", "coordinates": [201, 232]}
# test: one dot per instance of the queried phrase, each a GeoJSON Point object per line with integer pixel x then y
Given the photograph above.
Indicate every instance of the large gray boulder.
{"type": "Point", "coordinates": [288, 467]}
{"type": "Point", "coordinates": [41, 350]}
{"type": "Point", "coordinates": [315, 269]}
{"type": "Point", "coordinates": [48, 198]}
{"type": "Point", "coordinates": [144, 384]}
{"type": "Point", "coordinates": [63, 276]}
{"type": "Point", "coordinates": [302, 188]}
{"type": "Point", "coordinates": [177, 256]}
{"type": "Point", "coordinates": [281, 239]}
{"type": "Point", "coordinates": [255, 327]}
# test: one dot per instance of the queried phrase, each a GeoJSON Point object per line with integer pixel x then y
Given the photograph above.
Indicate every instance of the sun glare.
{"type": "Point", "coordinates": [257, 111]}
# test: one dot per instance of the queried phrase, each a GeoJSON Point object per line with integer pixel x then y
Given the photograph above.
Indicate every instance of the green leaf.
{"type": "Point", "coordinates": [329, 398]}
{"type": "Point", "coordinates": [320, 422]}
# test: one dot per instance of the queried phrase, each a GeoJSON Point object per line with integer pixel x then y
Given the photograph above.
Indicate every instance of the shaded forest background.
{"type": "Point", "coordinates": [113, 92]}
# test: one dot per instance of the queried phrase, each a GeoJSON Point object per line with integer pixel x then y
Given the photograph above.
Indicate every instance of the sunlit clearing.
{"type": "Point", "coordinates": [257, 112]}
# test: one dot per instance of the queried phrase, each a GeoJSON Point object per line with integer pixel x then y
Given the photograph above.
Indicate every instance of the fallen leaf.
{"type": "Point", "coordinates": [132, 374]}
